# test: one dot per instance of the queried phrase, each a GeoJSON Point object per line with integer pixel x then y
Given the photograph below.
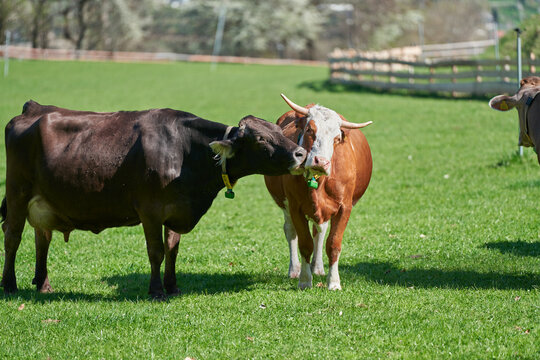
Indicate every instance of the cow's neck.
{"type": "Point", "coordinates": [237, 167]}
{"type": "Point", "coordinates": [205, 132]}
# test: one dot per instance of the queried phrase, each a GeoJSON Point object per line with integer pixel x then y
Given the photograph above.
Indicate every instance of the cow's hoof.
{"type": "Point", "coordinates": [294, 271]}
{"type": "Point", "coordinates": [45, 286]}
{"type": "Point", "coordinates": [158, 296]}
{"type": "Point", "coordinates": [46, 289]}
{"type": "Point", "coordinates": [173, 292]}
{"type": "Point", "coordinates": [304, 285]}
{"type": "Point", "coordinates": [10, 289]}
{"type": "Point", "coordinates": [319, 270]}
{"type": "Point", "coordinates": [334, 286]}
{"type": "Point", "coordinates": [294, 274]}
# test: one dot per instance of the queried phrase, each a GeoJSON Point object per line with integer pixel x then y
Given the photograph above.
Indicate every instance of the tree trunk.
{"type": "Point", "coordinates": [82, 24]}
{"type": "Point", "coordinates": [4, 13]}
{"type": "Point", "coordinates": [38, 21]}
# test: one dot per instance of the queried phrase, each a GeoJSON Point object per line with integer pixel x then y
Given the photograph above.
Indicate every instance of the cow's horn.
{"type": "Point", "coordinates": [299, 109]}
{"type": "Point", "coordinates": [350, 125]}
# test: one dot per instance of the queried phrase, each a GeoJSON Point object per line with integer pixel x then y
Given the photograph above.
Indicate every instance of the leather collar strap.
{"type": "Point", "coordinates": [229, 194]}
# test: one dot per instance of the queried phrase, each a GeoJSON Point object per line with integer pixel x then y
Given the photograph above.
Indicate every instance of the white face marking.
{"type": "Point", "coordinates": [328, 125]}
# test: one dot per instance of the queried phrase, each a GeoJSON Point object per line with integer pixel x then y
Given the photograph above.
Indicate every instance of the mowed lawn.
{"type": "Point", "coordinates": [441, 257]}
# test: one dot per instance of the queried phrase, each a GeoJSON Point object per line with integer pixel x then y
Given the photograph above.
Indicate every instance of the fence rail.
{"type": "Point", "coordinates": [456, 50]}
{"type": "Point", "coordinates": [476, 77]}
{"type": "Point", "coordinates": [27, 53]}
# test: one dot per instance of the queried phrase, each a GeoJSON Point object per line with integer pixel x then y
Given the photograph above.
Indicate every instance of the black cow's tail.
{"type": "Point", "coordinates": [3, 210]}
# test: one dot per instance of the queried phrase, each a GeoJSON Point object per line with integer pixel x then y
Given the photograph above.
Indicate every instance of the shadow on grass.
{"type": "Point", "coordinates": [520, 247]}
{"type": "Point", "coordinates": [525, 184]}
{"type": "Point", "coordinates": [134, 287]}
{"type": "Point", "coordinates": [513, 158]}
{"type": "Point", "coordinates": [389, 274]}
{"type": "Point", "coordinates": [327, 86]}
{"type": "Point", "coordinates": [190, 283]}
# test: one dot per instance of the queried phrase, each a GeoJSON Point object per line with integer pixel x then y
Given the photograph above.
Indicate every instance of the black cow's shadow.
{"type": "Point", "coordinates": [520, 247]}
{"type": "Point", "coordinates": [389, 274]}
{"type": "Point", "coordinates": [134, 287]}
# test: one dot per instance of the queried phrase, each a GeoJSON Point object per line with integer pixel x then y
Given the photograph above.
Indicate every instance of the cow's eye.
{"type": "Point", "coordinates": [260, 138]}
{"type": "Point", "coordinates": [337, 139]}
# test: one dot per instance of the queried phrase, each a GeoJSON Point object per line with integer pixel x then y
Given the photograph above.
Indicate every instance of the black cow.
{"type": "Point", "coordinates": [71, 170]}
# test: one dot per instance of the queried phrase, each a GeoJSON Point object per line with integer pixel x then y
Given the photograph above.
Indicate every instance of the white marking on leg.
{"type": "Point", "coordinates": [317, 266]}
{"type": "Point", "coordinates": [334, 282]}
{"type": "Point", "coordinates": [292, 239]}
{"type": "Point", "coordinates": [305, 279]}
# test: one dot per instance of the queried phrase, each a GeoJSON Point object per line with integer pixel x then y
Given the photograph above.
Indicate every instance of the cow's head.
{"type": "Point", "coordinates": [505, 102]}
{"type": "Point", "coordinates": [261, 147]}
{"type": "Point", "coordinates": [320, 130]}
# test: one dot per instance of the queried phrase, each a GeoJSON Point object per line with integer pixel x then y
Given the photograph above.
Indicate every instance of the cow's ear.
{"type": "Point", "coordinates": [249, 120]}
{"type": "Point", "coordinates": [223, 148]}
{"type": "Point", "coordinates": [503, 102]}
{"type": "Point", "coordinates": [245, 124]}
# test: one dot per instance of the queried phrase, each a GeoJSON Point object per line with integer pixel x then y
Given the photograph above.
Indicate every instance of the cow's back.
{"type": "Point", "coordinates": [96, 167]}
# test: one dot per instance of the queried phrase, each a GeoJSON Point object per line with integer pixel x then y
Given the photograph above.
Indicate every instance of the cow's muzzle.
{"type": "Point", "coordinates": [299, 158]}
{"type": "Point", "coordinates": [319, 166]}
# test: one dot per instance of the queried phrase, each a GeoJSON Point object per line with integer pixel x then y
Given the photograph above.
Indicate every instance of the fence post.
{"type": "Point", "coordinates": [454, 80]}
{"type": "Point", "coordinates": [219, 34]}
{"type": "Point", "coordinates": [6, 53]}
{"type": "Point", "coordinates": [519, 72]}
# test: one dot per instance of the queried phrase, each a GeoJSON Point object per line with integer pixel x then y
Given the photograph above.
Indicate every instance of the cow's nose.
{"type": "Point", "coordinates": [300, 154]}
{"type": "Point", "coordinates": [321, 162]}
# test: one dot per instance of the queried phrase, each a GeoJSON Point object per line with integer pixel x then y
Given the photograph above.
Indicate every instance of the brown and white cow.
{"type": "Point", "coordinates": [528, 109]}
{"type": "Point", "coordinates": [337, 173]}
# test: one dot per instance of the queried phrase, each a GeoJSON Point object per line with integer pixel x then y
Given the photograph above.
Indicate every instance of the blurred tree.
{"type": "Point", "coordinates": [378, 24]}
{"type": "Point", "coordinates": [9, 9]}
{"type": "Point", "coordinates": [252, 28]}
{"type": "Point", "coordinates": [530, 39]}
{"type": "Point", "coordinates": [457, 20]}
{"type": "Point", "coordinates": [75, 10]}
{"type": "Point", "coordinates": [41, 23]}
{"type": "Point", "coordinates": [105, 24]}
{"type": "Point", "coordinates": [279, 27]}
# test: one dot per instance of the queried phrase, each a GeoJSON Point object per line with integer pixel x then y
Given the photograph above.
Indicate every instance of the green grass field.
{"type": "Point", "coordinates": [441, 257]}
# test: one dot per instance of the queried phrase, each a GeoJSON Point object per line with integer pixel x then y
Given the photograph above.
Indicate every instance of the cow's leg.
{"type": "Point", "coordinates": [41, 278]}
{"type": "Point", "coordinates": [155, 249]}
{"type": "Point", "coordinates": [333, 246]}
{"type": "Point", "coordinates": [305, 244]}
{"type": "Point", "coordinates": [13, 228]}
{"type": "Point", "coordinates": [292, 239]}
{"type": "Point", "coordinates": [319, 231]}
{"type": "Point", "coordinates": [172, 239]}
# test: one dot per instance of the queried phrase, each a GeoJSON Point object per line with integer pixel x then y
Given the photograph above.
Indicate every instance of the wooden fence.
{"type": "Point", "coordinates": [460, 50]}
{"type": "Point", "coordinates": [476, 77]}
{"type": "Point", "coordinates": [27, 53]}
